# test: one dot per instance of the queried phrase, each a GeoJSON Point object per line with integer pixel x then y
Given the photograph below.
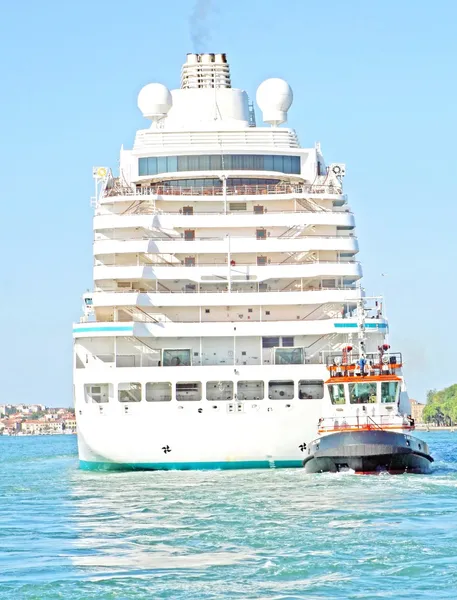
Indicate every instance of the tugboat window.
{"type": "Point", "coordinates": [389, 391]}
{"type": "Point", "coordinates": [362, 393]}
{"type": "Point", "coordinates": [337, 393]}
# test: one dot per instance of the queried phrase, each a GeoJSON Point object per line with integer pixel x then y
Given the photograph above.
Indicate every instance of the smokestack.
{"type": "Point", "coordinates": [205, 71]}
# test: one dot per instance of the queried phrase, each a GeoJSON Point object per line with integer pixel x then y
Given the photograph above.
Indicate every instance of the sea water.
{"type": "Point", "coordinates": [272, 534]}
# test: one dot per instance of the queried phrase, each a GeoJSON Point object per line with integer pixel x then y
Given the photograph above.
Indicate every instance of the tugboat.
{"type": "Point", "coordinates": [362, 428]}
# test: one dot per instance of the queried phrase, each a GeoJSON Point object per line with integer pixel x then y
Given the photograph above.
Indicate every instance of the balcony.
{"type": "Point", "coordinates": [239, 274]}
{"type": "Point", "coordinates": [155, 191]}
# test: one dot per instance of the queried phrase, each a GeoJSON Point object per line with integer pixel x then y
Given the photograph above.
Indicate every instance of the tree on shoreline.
{"type": "Point", "coordinates": [441, 407]}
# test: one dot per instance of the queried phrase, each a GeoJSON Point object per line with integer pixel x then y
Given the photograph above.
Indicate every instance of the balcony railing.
{"type": "Point", "coordinates": [180, 238]}
{"type": "Point", "coordinates": [234, 264]}
{"type": "Point", "coordinates": [239, 190]}
{"type": "Point", "coordinates": [258, 288]}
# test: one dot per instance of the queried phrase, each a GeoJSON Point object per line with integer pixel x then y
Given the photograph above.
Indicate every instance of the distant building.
{"type": "Point", "coordinates": [417, 408]}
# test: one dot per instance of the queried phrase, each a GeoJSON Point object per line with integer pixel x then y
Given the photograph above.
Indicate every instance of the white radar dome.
{"type": "Point", "coordinates": [274, 97]}
{"type": "Point", "coordinates": [154, 101]}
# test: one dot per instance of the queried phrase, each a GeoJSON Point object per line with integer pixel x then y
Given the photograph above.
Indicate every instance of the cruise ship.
{"type": "Point", "coordinates": [225, 275]}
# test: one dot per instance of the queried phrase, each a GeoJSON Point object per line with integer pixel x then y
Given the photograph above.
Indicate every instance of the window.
{"type": "Point", "coordinates": [176, 358]}
{"type": "Point", "coordinates": [188, 390]}
{"type": "Point", "coordinates": [287, 342]}
{"type": "Point", "coordinates": [281, 390]}
{"type": "Point", "coordinates": [129, 392]}
{"type": "Point", "coordinates": [189, 235]}
{"type": "Point", "coordinates": [328, 283]}
{"type": "Point", "coordinates": [207, 311]}
{"type": "Point", "coordinates": [270, 342]}
{"type": "Point", "coordinates": [258, 210]}
{"type": "Point", "coordinates": [189, 261]}
{"type": "Point", "coordinates": [261, 234]}
{"type": "Point", "coordinates": [215, 162]}
{"type": "Point", "coordinates": [219, 390]}
{"type": "Point", "coordinates": [289, 356]}
{"type": "Point", "coordinates": [96, 392]}
{"type": "Point", "coordinates": [389, 391]}
{"type": "Point", "coordinates": [237, 206]}
{"type": "Point", "coordinates": [250, 390]}
{"type": "Point", "coordinates": [336, 391]}
{"type": "Point", "coordinates": [188, 210]}
{"type": "Point", "coordinates": [261, 260]}
{"type": "Point", "coordinates": [158, 391]}
{"type": "Point", "coordinates": [363, 392]}
{"type": "Point", "coordinates": [310, 389]}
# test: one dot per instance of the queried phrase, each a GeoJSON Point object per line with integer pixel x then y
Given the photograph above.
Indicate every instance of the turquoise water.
{"type": "Point", "coordinates": [277, 534]}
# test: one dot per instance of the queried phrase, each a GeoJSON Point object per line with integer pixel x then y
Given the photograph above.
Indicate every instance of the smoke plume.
{"type": "Point", "coordinates": [198, 23]}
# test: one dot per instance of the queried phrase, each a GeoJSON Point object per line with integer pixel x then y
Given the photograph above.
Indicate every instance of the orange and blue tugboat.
{"type": "Point", "coordinates": [362, 428]}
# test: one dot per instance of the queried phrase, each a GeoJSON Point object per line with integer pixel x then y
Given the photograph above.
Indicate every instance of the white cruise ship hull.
{"type": "Point", "coordinates": [198, 435]}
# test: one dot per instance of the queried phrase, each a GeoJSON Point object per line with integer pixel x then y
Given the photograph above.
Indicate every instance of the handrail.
{"type": "Point", "coordinates": [220, 291]}
{"type": "Point", "coordinates": [180, 238]}
{"type": "Point", "coordinates": [245, 190]}
{"type": "Point", "coordinates": [159, 211]}
{"type": "Point", "coordinates": [233, 266]}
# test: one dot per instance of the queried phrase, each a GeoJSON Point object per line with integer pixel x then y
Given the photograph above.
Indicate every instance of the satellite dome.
{"type": "Point", "coordinates": [274, 97]}
{"type": "Point", "coordinates": [154, 101]}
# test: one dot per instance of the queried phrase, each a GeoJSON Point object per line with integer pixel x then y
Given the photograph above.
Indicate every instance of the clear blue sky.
{"type": "Point", "coordinates": [374, 82]}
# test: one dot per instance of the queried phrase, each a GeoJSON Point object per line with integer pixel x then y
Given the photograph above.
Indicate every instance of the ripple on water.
{"type": "Point", "coordinates": [278, 534]}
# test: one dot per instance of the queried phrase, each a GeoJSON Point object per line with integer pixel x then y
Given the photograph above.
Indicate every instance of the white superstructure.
{"type": "Point", "coordinates": [225, 272]}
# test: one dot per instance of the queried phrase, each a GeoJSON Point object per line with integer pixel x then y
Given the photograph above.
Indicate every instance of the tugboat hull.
{"type": "Point", "coordinates": [371, 451]}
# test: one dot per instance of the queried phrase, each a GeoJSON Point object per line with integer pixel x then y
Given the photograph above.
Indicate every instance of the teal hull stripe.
{"type": "Point", "coordinates": [355, 325]}
{"type": "Point", "coordinates": [86, 329]}
{"type": "Point", "coordinates": [189, 466]}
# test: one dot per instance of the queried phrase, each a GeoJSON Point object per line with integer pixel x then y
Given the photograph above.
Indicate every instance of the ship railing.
{"type": "Point", "coordinates": [347, 363]}
{"type": "Point", "coordinates": [238, 190]}
{"type": "Point", "coordinates": [181, 237]}
{"type": "Point", "coordinates": [193, 290]}
{"type": "Point", "coordinates": [363, 422]}
{"type": "Point", "coordinates": [153, 359]}
{"type": "Point", "coordinates": [234, 264]}
{"type": "Point", "coordinates": [146, 208]}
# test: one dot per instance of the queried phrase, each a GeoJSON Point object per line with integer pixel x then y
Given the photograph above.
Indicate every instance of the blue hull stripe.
{"type": "Point", "coordinates": [355, 325]}
{"type": "Point", "coordinates": [189, 466]}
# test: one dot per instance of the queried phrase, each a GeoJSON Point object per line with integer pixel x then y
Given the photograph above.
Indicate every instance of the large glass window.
{"type": "Point", "coordinates": [250, 390]}
{"type": "Point", "coordinates": [188, 390]}
{"type": "Point", "coordinates": [310, 389]}
{"type": "Point", "coordinates": [97, 392]}
{"type": "Point", "coordinates": [129, 392]}
{"type": "Point", "coordinates": [215, 162]}
{"type": "Point", "coordinates": [176, 358]}
{"type": "Point", "coordinates": [336, 391]}
{"type": "Point", "coordinates": [281, 390]}
{"type": "Point", "coordinates": [289, 356]}
{"type": "Point", "coordinates": [270, 342]}
{"type": "Point", "coordinates": [389, 391]}
{"type": "Point", "coordinates": [362, 392]}
{"type": "Point", "coordinates": [158, 391]}
{"type": "Point", "coordinates": [219, 390]}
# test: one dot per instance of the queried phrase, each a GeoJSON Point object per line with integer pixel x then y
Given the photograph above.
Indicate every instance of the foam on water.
{"type": "Point", "coordinates": [276, 534]}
